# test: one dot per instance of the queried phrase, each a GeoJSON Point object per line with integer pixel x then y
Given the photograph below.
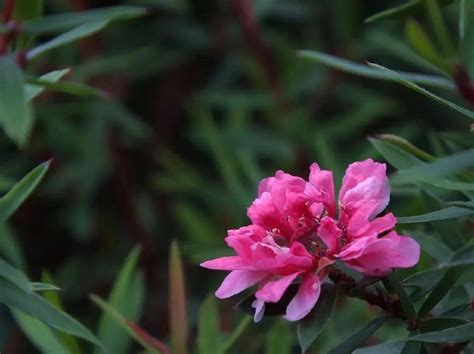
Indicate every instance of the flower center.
{"type": "Point", "coordinates": [313, 244]}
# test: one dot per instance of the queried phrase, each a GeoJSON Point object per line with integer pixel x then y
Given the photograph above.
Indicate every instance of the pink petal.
{"type": "Point", "coordinates": [330, 233]}
{"type": "Point", "coordinates": [225, 263]}
{"type": "Point", "coordinates": [386, 253]}
{"type": "Point", "coordinates": [365, 181]}
{"type": "Point", "coordinates": [360, 224]}
{"type": "Point", "coordinates": [265, 185]}
{"type": "Point", "coordinates": [259, 306]}
{"type": "Point", "coordinates": [305, 298]}
{"type": "Point", "coordinates": [272, 291]}
{"type": "Point", "coordinates": [242, 240]}
{"type": "Point", "coordinates": [237, 281]}
{"type": "Point", "coordinates": [321, 188]}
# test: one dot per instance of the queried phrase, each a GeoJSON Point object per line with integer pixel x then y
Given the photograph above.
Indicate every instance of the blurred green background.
{"type": "Point", "coordinates": [204, 98]}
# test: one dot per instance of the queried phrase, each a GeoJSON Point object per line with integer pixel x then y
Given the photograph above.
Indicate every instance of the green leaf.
{"type": "Point", "coordinates": [309, 328]}
{"type": "Point", "coordinates": [365, 71]}
{"type": "Point", "coordinates": [28, 9]}
{"type": "Point", "coordinates": [208, 337]}
{"type": "Point", "coordinates": [10, 202]}
{"type": "Point", "coordinates": [61, 22]}
{"type": "Point", "coordinates": [31, 91]}
{"type": "Point", "coordinates": [127, 298]}
{"type": "Point", "coordinates": [39, 334]}
{"type": "Point", "coordinates": [439, 27]}
{"type": "Point", "coordinates": [432, 245]}
{"type": "Point", "coordinates": [406, 146]}
{"type": "Point", "coordinates": [445, 166]}
{"type": "Point", "coordinates": [15, 276]}
{"type": "Point", "coordinates": [359, 337]}
{"type": "Point", "coordinates": [456, 334]}
{"type": "Point", "coordinates": [71, 36]}
{"type": "Point", "coordinates": [236, 333]}
{"type": "Point", "coordinates": [53, 298]}
{"type": "Point", "coordinates": [279, 339]}
{"type": "Point", "coordinates": [462, 20]}
{"type": "Point", "coordinates": [43, 287]}
{"type": "Point", "coordinates": [408, 8]}
{"type": "Point", "coordinates": [177, 302]}
{"type": "Point", "coordinates": [405, 301]}
{"type": "Point", "coordinates": [440, 323]}
{"type": "Point", "coordinates": [10, 248]}
{"type": "Point", "coordinates": [452, 212]}
{"type": "Point", "coordinates": [391, 347]}
{"type": "Point", "coordinates": [73, 88]}
{"type": "Point", "coordinates": [34, 305]}
{"type": "Point", "coordinates": [412, 85]}
{"type": "Point", "coordinates": [397, 157]}
{"type": "Point", "coordinates": [440, 290]}
{"type": "Point", "coordinates": [151, 344]}
{"type": "Point", "coordinates": [16, 116]}
{"type": "Point", "coordinates": [422, 44]}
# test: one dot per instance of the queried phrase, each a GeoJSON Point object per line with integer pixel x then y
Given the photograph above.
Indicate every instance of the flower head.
{"type": "Point", "coordinates": [297, 231]}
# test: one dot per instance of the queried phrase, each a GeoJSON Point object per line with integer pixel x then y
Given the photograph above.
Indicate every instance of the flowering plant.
{"type": "Point", "coordinates": [298, 232]}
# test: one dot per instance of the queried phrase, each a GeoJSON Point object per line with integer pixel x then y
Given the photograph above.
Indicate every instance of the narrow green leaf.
{"type": "Point", "coordinates": [279, 339]}
{"type": "Point", "coordinates": [440, 323]}
{"type": "Point", "coordinates": [177, 301]}
{"type": "Point", "coordinates": [10, 248]}
{"type": "Point", "coordinates": [439, 27]}
{"type": "Point", "coordinates": [359, 337]}
{"type": "Point", "coordinates": [236, 333]}
{"type": "Point", "coordinates": [441, 167]}
{"type": "Point", "coordinates": [422, 44]}
{"type": "Point", "coordinates": [61, 22]}
{"type": "Point", "coordinates": [462, 20]}
{"type": "Point", "coordinates": [73, 88]}
{"type": "Point", "coordinates": [15, 276]}
{"type": "Point", "coordinates": [397, 157]}
{"type": "Point", "coordinates": [31, 91]}
{"type": "Point", "coordinates": [432, 245]}
{"type": "Point", "coordinates": [309, 329]}
{"type": "Point", "coordinates": [69, 341]}
{"type": "Point", "coordinates": [452, 212]}
{"type": "Point", "coordinates": [405, 301]}
{"type": "Point", "coordinates": [408, 8]}
{"type": "Point", "coordinates": [43, 287]}
{"type": "Point", "coordinates": [39, 334]}
{"type": "Point", "coordinates": [34, 305]}
{"type": "Point", "coordinates": [127, 298]}
{"type": "Point", "coordinates": [412, 85]}
{"type": "Point", "coordinates": [28, 9]}
{"type": "Point", "coordinates": [151, 344]}
{"type": "Point", "coordinates": [447, 184]}
{"type": "Point", "coordinates": [391, 347]}
{"type": "Point", "coordinates": [10, 202]}
{"type": "Point", "coordinates": [457, 334]}
{"type": "Point", "coordinates": [16, 116]}
{"type": "Point", "coordinates": [364, 71]}
{"type": "Point", "coordinates": [440, 290]}
{"type": "Point", "coordinates": [71, 36]}
{"type": "Point", "coordinates": [406, 146]}
{"type": "Point", "coordinates": [208, 338]}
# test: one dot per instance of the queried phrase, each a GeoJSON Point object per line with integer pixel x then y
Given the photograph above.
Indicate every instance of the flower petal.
{"type": "Point", "coordinates": [321, 188]}
{"type": "Point", "coordinates": [272, 291]}
{"type": "Point", "coordinates": [259, 306]}
{"type": "Point", "coordinates": [330, 233]}
{"type": "Point", "coordinates": [365, 181]}
{"type": "Point", "coordinates": [237, 281]}
{"type": "Point", "coordinates": [383, 254]}
{"type": "Point", "coordinates": [225, 263]}
{"type": "Point", "coordinates": [305, 299]}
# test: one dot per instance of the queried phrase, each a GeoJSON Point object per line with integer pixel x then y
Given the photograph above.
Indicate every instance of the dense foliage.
{"type": "Point", "coordinates": [134, 135]}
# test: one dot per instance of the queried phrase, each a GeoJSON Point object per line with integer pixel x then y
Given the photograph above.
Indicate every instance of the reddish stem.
{"type": "Point", "coordinates": [463, 83]}
{"type": "Point", "coordinates": [243, 11]}
{"type": "Point", "coordinates": [7, 14]}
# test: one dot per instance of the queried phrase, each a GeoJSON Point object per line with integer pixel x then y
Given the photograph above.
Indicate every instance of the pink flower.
{"type": "Point", "coordinates": [297, 231]}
